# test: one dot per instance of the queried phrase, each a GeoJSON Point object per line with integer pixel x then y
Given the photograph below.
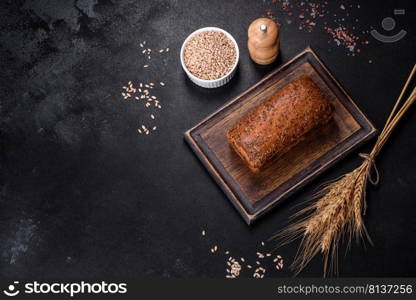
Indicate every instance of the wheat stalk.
{"type": "Point", "coordinates": [340, 205]}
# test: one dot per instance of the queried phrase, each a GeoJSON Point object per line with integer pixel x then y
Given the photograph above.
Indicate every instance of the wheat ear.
{"type": "Point", "coordinates": [341, 204]}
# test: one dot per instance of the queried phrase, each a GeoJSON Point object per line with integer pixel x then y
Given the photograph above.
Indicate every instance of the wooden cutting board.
{"type": "Point", "coordinates": [255, 194]}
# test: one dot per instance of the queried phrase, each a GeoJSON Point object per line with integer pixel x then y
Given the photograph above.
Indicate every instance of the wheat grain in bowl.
{"type": "Point", "coordinates": [209, 55]}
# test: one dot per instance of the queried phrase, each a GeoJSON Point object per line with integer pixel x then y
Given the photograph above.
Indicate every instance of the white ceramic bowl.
{"type": "Point", "coordinates": [215, 82]}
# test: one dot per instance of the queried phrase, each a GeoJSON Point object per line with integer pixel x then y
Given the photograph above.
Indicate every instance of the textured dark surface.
{"type": "Point", "coordinates": [82, 194]}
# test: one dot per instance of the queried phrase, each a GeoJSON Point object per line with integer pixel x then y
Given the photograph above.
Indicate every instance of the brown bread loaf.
{"type": "Point", "coordinates": [279, 123]}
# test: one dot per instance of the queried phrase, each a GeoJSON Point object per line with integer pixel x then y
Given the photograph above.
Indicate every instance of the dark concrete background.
{"type": "Point", "coordinates": [82, 194]}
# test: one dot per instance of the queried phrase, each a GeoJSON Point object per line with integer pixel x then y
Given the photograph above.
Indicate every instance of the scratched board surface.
{"type": "Point", "coordinates": [254, 194]}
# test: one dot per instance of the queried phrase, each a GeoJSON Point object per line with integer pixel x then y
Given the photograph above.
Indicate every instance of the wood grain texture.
{"type": "Point", "coordinates": [253, 194]}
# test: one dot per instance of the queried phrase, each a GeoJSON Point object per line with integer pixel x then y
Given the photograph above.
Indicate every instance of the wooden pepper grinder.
{"type": "Point", "coordinates": [263, 41]}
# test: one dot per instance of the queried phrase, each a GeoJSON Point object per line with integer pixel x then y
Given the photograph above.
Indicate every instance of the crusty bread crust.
{"type": "Point", "coordinates": [279, 123]}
